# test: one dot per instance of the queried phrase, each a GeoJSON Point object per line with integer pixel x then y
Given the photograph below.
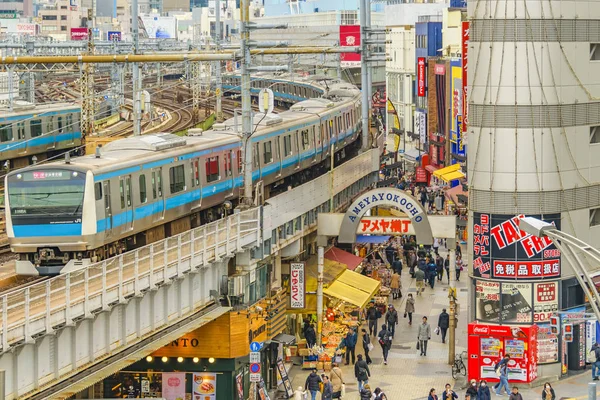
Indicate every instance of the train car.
{"type": "Point", "coordinates": [65, 215]}
{"type": "Point", "coordinates": [285, 90]}
{"type": "Point", "coordinates": [37, 130]}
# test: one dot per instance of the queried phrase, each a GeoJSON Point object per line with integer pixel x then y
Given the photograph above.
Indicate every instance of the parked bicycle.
{"type": "Point", "coordinates": [459, 366]}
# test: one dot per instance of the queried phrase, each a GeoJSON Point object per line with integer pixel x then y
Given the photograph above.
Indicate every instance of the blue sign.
{"type": "Point", "coordinates": [255, 368]}
{"type": "Point", "coordinates": [114, 36]}
{"type": "Point", "coordinates": [255, 346]}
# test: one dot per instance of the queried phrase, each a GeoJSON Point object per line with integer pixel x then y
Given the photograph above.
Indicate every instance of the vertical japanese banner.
{"type": "Point", "coordinates": [465, 64]}
{"type": "Point", "coordinates": [421, 77]}
{"type": "Point", "coordinates": [205, 386]}
{"type": "Point", "coordinates": [297, 285]}
{"type": "Point", "coordinates": [173, 385]}
{"type": "Point", "coordinates": [350, 37]}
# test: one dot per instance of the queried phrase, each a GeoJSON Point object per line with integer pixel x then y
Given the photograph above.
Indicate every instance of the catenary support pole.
{"type": "Point", "coordinates": [320, 266]}
{"type": "Point", "coordinates": [2, 384]}
{"type": "Point", "coordinates": [592, 391]}
{"type": "Point", "coordinates": [368, 64]}
{"type": "Point", "coordinates": [218, 82]}
{"type": "Point", "coordinates": [246, 102]}
{"type": "Point", "coordinates": [364, 82]}
{"type": "Point", "coordinates": [137, 106]}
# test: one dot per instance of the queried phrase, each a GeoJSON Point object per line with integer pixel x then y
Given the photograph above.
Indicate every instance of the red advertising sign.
{"type": "Point", "coordinates": [385, 226]}
{"type": "Point", "coordinates": [440, 69]}
{"type": "Point", "coordinates": [79, 33]}
{"type": "Point", "coordinates": [526, 269]}
{"type": "Point", "coordinates": [465, 64]}
{"type": "Point", "coordinates": [349, 37]}
{"type": "Point", "coordinates": [421, 77]}
{"type": "Point", "coordinates": [420, 175]}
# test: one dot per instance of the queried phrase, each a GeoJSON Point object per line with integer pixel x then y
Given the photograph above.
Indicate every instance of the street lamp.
{"type": "Point", "coordinates": [572, 248]}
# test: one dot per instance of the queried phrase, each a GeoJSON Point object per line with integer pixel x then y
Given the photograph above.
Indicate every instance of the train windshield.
{"type": "Point", "coordinates": [46, 196]}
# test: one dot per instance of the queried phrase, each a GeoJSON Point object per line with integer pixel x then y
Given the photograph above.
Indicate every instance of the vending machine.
{"type": "Point", "coordinates": [489, 343]}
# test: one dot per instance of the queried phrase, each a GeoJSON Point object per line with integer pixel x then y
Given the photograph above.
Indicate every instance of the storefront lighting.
{"type": "Point", "coordinates": [211, 360]}
{"type": "Point", "coordinates": [149, 358]}
{"type": "Point", "coordinates": [165, 359]}
{"type": "Point", "coordinates": [196, 360]}
{"type": "Point", "coordinates": [179, 359]}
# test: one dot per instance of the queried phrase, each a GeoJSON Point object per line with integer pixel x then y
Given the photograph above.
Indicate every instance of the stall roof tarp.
{"type": "Point", "coordinates": [353, 288]}
{"type": "Point", "coordinates": [441, 172]}
{"type": "Point", "coordinates": [453, 176]}
{"type": "Point", "coordinates": [350, 260]}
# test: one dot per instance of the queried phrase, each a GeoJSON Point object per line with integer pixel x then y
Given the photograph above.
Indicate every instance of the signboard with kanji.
{"type": "Point", "coordinates": [385, 226]}
{"type": "Point", "coordinates": [501, 250]}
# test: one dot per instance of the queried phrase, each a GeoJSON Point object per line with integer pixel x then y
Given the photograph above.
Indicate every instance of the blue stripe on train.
{"type": "Point", "coordinates": [47, 230]}
{"type": "Point", "coordinates": [43, 140]}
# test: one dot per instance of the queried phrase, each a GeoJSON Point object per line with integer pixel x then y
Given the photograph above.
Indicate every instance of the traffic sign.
{"type": "Point", "coordinates": [255, 368]}
{"type": "Point", "coordinates": [255, 346]}
{"type": "Point", "coordinates": [254, 357]}
{"type": "Point", "coordinates": [255, 377]}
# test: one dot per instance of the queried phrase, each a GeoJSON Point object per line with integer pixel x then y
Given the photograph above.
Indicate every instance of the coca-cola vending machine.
{"type": "Point", "coordinates": [489, 343]}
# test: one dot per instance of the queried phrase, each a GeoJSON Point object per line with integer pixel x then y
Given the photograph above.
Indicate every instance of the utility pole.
{"type": "Point", "coordinates": [137, 106]}
{"type": "Point", "coordinates": [453, 322]}
{"type": "Point", "coordinates": [88, 104]}
{"type": "Point", "coordinates": [218, 83]}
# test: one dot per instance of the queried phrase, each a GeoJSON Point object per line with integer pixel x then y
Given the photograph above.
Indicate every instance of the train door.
{"type": "Point", "coordinates": [229, 157]}
{"type": "Point", "coordinates": [196, 183]}
{"type": "Point", "coordinates": [158, 211]}
{"type": "Point", "coordinates": [108, 216]}
{"type": "Point", "coordinates": [126, 203]}
{"type": "Point", "coordinates": [278, 153]}
{"type": "Point", "coordinates": [316, 143]}
{"type": "Point", "coordinates": [256, 160]}
{"type": "Point", "coordinates": [298, 151]}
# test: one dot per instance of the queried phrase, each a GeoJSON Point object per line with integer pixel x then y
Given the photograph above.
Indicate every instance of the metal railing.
{"type": "Point", "coordinates": [35, 310]}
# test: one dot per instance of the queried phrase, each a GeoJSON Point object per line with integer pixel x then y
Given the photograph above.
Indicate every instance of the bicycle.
{"type": "Point", "coordinates": [459, 366]}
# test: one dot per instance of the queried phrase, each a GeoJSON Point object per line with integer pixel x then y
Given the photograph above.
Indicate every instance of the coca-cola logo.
{"type": "Point", "coordinates": [481, 329]}
{"type": "Point", "coordinates": [174, 382]}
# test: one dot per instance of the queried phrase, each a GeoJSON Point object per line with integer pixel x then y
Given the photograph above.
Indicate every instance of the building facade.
{"type": "Point", "coordinates": [58, 20]}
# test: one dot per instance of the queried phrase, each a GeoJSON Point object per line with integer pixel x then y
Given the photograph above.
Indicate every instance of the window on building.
{"type": "Point", "coordinates": [177, 179]}
{"type": "Point", "coordinates": [595, 51]}
{"type": "Point", "coordinates": [594, 216]}
{"type": "Point", "coordinates": [212, 169]}
{"type": "Point", "coordinates": [63, 17]}
{"type": "Point", "coordinates": [594, 134]}
{"type": "Point", "coordinates": [63, 28]}
{"type": "Point", "coordinates": [6, 134]}
{"type": "Point", "coordinates": [63, 7]}
{"type": "Point", "coordinates": [49, 18]}
{"type": "Point", "coordinates": [35, 127]}
{"type": "Point", "coordinates": [268, 152]}
{"type": "Point", "coordinates": [143, 193]}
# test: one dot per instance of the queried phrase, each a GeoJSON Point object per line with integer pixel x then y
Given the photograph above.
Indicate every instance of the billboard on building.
{"type": "Point", "coordinates": [157, 27]}
{"type": "Point", "coordinates": [350, 37]}
{"type": "Point", "coordinates": [421, 77]}
{"type": "Point", "coordinates": [26, 29]}
{"type": "Point", "coordinates": [297, 285]}
{"type": "Point", "coordinates": [502, 251]}
{"type": "Point", "coordinates": [456, 137]}
{"type": "Point", "coordinates": [113, 36]}
{"type": "Point", "coordinates": [465, 65]}
{"type": "Point", "coordinates": [421, 126]}
{"type": "Point", "coordinates": [79, 33]}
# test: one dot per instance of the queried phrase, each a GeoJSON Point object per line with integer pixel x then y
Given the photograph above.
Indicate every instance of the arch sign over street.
{"type": "Point", "coordinates": [390, 197]}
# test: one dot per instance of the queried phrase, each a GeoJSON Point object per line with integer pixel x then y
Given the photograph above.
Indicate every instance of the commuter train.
{"type": "Point", "coordinates": [38, 130]}
{"type": "Point", "coordinates": [63, 215]}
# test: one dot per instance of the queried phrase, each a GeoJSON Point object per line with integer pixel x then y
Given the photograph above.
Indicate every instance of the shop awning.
{"type": "Point", "coordinates": [446, 170]}
{"type": "Point", "coordinates": [430, 168]}
{"type": "Point", "coordinates": [453, 176]}
{"type": "Point", "coordinates": [353, 288]}
{"type": "Point", "coordinates": [350, 260]}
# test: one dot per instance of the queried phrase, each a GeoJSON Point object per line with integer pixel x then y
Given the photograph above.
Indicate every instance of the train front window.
{"type": "Point", "coordinates": [46, 193]}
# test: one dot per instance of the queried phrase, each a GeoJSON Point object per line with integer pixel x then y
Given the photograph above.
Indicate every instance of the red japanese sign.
{"type": "Point", "coordinates": [386, 225]}
{"type": "Point", "coordinates": [79, 33]}
{"type": "Point", "coordinates": [440, 69]}
{"type": "Point", "coordinates": [465, 64]}
{"type": "Point", "coordinates": [421, 77]}
{"type": "Point", "coordinates": [526, 269]}
{"type": "Point", "coordinates": [349, 37]}
{"type": "Point", "coordinates": [420, 175]}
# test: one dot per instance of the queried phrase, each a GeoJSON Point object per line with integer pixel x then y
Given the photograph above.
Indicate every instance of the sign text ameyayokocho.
{"type": "Point", "coordinates": [502, 251]}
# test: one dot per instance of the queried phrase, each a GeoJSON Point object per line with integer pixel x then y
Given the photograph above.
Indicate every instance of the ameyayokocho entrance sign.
{"type": "Point", "coordinates": [386, 197]}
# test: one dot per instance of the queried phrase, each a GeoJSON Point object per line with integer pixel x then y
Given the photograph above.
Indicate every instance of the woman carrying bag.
{"type": "Point", "coordinates": [337, 381]}
{"type": "Point", "coordinates": [548, 393]}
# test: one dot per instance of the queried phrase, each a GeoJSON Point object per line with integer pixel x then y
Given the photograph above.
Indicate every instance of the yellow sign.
{"type": "Point", "coordinates": [218, 92]}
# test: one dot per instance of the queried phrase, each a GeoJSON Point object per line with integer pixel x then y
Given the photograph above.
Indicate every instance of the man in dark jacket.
{"type": "Point", "coordinates": [397, 266]}
{"type": "Point", "coordinates": [596, 364]}
{"type": "Point", "coordinates": [443, 324]}
{"type": "Point", "coordinates": [310, 335]}
{"type": "Point", "coordinates": [349, 342]}
{"type": "Point", "coordinates": [439, 263]}
{"type": "Point", "coordinates": [312, 384]}
{"type": "Point", "coordinates": [373, 315]}
{"type": "Point", "coordinates": [447, 267]}
{"type": "Point", "coordinates": [431, 272]}
{"type": "Point", "coordinates": [361, 372]}
{"type": "Point", "coordinates": [391, 319]}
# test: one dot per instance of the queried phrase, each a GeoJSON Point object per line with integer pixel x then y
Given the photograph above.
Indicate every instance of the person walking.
{"type": "Point", "coordinates": [337, 381]}
{"type": "Point", "coordinates": [420, 279]}
{"type": "Point", "coordinates": [439, 263]}
{"type": "Point", "coordinates": [409, 308]}
{"type": "Point", "coordinates": [385, 340]}
{"type": "Point", "coordinates": [373, 315]}
{"type": "Point", "coordinates": [423, 336]}
{"type": "Point", "coordinates": [515, 395]}
{"type": "Point", "coordinates": [472, 389]}
{"type": "Point", "coordinates": [458, 250]}
{"type": "Point", "coordinates": [391, 319]}
{"type": "Point", "coordinates": [432, 271]}
{"type": "Point", "coordinates": [459, 267]}
{"type": "Point", "coordinates": [548, 392]}
{"type": "Point", "coordinates": [396, 286]}
{"type": "Point", "coordinates": [483, 393]}
{"type": "Point", "coordinates": [432, 395]}
{"type": "Point", "coordinates": [366, 343]}
{"type": "Point", "coordinates": [349, 342]}
{"type": "Point", "coordinates": [443, 324]}
{"type": "Point", "coordinates": [312, 384]}
{"type": "Point", "coordinates": [299, 393]}
{"type": "Point", "coordinates": [447, 267]}
{"type": "Point", "coordinates": [311, 336]}
{"type": "Point", "coordinates": [361, 372]}
{"type": "Point", "coordinates": [502, 371]}
{"type": "Point", "coordinates": [379, 395]}
{"type": "Point", "coordinates": [365, 393]}
{"type": "Point", "coordinates": [596, 364]}
{"type": "Point", "coordinates": [449, 394]}
{"type": "Point", "coordinates": [327, 389]}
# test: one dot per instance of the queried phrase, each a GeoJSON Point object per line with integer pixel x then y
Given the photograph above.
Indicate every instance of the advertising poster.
{"type": "Point", "coordinates": [516, 302]}
{"type": "Point", "coordinates": [547, 345]}
{"type": "Point", "coordinates": [79, 33]}
{"type": "Point", "coordinates": [113, 36]}
{"type": "Point", "coordinates": [487, 298]}
{"type": "Point", "coordinates": [239, 383]}
{"type": "Point", "coordinates": [157, 27]}
{"type": "Point", "coordinates": [204, 386]}
{"type": "Point", "coordinates": [502, 251]}
{"type": "Point", "coordinates": [421, 126]}
{"type": "Point", "coordinates": [173, 385]}
{"type": "Point", "coordinates": [421, 76]}
{"type": "Point", "coordinates": [297, 285]}
{"type": "Point", "coordinates": [590, 340]}
{"type": "Point", "coordinates": [465, 69]}
{"type": "Point", "coordinates": [350, 37]}
{"type": "Point", "coordinates": [285, 379]}
{"type": "Point", "coordinates": [545, 301]}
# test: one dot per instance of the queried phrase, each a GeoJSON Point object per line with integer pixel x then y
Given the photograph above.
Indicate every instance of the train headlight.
{"type": "Point", "coordinates": [75, 173]}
